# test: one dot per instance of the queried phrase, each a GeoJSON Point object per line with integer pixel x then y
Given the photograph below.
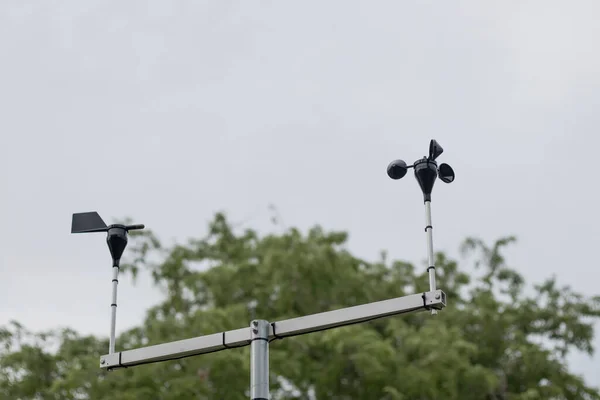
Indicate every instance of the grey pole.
{"type": "Point", "coordinates": [259, 360]}
{"type": "Point", "coordinates": [113, 307]}
{"type": "Point", "coordinates": [430, 256]}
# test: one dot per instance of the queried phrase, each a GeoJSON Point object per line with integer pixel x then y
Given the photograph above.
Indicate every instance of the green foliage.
{"type": "Point", "coordinates": [493, 341]}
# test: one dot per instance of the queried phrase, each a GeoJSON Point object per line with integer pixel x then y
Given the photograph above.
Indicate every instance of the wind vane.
{"type": "Point", "coordinates": [261, 332]}
{"type": "Point", "coordinates": [116, 239]}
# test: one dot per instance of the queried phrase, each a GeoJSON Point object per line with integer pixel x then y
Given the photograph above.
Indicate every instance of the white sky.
{"type": "Point", "coordinates": [186, 108]}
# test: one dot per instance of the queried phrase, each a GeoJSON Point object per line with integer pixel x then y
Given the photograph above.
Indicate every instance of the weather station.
{"type": "Point", "coordinates": [261, 332]}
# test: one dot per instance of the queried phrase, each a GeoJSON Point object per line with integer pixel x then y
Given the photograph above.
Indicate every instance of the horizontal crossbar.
{"type": "Point", "coordinates": [290, 327]}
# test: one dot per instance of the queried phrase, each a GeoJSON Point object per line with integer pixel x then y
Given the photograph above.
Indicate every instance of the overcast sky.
{"type": "Point", "coordinates": [168, 111]}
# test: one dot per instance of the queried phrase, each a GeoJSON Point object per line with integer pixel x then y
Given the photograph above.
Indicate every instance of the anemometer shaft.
{"type": "Point", "coordinates": [113, 308]}
{"type": "Point", "coordinates": [430, 259]}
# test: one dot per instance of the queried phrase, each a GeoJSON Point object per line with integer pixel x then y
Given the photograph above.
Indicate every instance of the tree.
{"type": "Point", "coordinates": [492, 342]}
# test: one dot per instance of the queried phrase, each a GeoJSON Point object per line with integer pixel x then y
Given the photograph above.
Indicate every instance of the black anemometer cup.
{"type": "Point", "coordinates": [446, 173]}
{"type": "Point", "coordinates": [397, 169]}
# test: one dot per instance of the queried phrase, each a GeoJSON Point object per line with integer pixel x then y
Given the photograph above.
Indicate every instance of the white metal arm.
{"type": "Point", "coordinates": [291, 327]}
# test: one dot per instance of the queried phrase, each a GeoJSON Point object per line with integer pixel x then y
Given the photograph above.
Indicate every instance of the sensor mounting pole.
{"type": "Point", "coordinates": [430, 257]}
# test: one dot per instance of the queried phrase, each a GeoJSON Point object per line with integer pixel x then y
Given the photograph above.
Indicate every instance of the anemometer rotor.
{"type": "Point", "coordinates": [426, 170]}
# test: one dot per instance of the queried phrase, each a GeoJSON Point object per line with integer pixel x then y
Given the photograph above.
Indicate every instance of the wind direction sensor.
{"type": "Point", "coordinates": [90, 222]}
{"type": "Point", "coordinates": [426, 172]}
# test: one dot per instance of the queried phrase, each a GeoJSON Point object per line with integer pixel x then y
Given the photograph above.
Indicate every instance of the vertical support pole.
{"type": "Point", "coordinates": [113, 307]}
{"type": "Point", "coordinates": [430, 255]}
{"type": "Point", "coordinates": [259, 360]}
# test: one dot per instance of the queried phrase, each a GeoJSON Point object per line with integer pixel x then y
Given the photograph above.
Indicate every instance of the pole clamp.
{"type": "Point", "coordinates": [425, 302]}
{"type": "Point", "coordinates": [275, 337]}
